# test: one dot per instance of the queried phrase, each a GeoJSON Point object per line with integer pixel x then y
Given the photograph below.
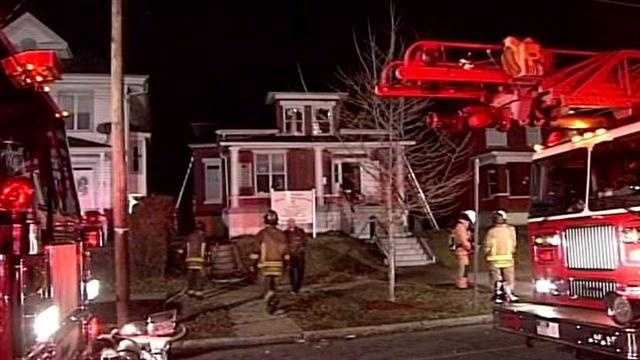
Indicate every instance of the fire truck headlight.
{"type": "Point", "coordinates": [545, 286]}
{"type": "Point", "coordinates": [630, 236]}
{"type": "Point", "coordinates": [553, 240]}
{"type": "Point", "coordinates": [92, 289]}
{"type": "Point", "coordinates": [46, 323]}
{"type": "Point", "coordinates": [548, 240]}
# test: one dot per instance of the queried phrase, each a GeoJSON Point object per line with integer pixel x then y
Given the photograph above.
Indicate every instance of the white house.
{"type": "Point", "coordinates": [86, 97]}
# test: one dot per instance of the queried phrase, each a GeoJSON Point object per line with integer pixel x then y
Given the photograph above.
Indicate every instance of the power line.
{"type": "Point", "coordinates": [620, 3]}
{"type": "Point", "coordinates": [9, 18]}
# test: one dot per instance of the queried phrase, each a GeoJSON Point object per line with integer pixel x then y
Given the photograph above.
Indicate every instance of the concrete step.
{"type": "Point", "coordinates": [410, 251]}
{"type": "Point", "coordinates": [403, 240]}
{"type": "Point", "coordinates": [408, 263]}
{"type": "Point", "coordinates": [406, 246]}
{"type": "Point", "coordinates": [411, 257]}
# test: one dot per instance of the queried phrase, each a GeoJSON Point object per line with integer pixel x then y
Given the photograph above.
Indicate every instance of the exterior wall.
{"type": "Point", "coordinates": [94, 165]}
{"type": "Point", "coordinates": [98, 86]}
{"type": "Point", "coordinates": [300, 169]}
{"type": "Point", "coordinates": [198, 176]}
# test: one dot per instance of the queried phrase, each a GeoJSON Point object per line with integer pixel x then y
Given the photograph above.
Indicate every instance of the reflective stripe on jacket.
{"type": "Point", "coordinates": [500, 245]}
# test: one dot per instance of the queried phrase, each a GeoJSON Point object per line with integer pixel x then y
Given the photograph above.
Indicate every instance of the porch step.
{"type": "Point", "coordinates": [411, 257]}
{"type": "Point", "coordinates": [408, 263]}
{"type": "Point", "coordinates": [408, 251]}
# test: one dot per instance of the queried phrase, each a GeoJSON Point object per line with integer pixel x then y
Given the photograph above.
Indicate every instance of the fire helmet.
{"type": "Point", "coordinates": [471, 215]}
{"type": "Point", "coordinates": [500, 214]}
{"type": "Point", "coordinates": [271, 218]}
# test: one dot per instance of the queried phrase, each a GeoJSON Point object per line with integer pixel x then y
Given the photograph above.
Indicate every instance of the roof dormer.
{"type": "Point", "coordinates": [306, 114]}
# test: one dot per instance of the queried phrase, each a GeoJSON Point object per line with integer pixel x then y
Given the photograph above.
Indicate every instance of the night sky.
{"type": "Point", "coordinates": [214, 61]}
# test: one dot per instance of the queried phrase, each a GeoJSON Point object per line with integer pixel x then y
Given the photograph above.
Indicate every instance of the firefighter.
{"type": "Point", "coordinates": [196, 247]}
{"type": "Point", "coordinates": [297, 241]}
{"type": "Point", "coordinates": [462, 245]}
{"type": "Point", "coordinates": [499, 248]}
{"type": "Point", "coordinates": [271, 253]}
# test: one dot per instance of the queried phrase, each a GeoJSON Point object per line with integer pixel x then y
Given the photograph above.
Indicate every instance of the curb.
{"type": "Point", "coordinates": [187, 347]}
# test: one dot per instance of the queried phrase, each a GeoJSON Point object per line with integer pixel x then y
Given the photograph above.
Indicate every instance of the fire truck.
{"type": "Point", "coordinates": [45, 285]}
{"type": "Point", "coordinates": [584, 222]}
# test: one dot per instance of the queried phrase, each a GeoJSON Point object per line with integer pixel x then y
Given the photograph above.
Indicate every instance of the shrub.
{"type": "Point", "coordinates": [151, 227]}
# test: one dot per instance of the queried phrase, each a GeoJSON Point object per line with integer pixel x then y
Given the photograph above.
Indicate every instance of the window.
{"type": "Point", "coordinates": [294, 120]}
{"type": "Point", "coordinates": [212, 181]}
{"type": "Point", "coordinates": [28, 44]}
{"type": "Point", "coordinates": [559, 184]}
{"type": "Point", "coordinates": [493, 183]}
{"type": "Point", "coordinates": [135, 161]}
{"type": "Point", "coordinates": [615, 174]}
{"type": "Point", "coordinates": [322, 121]}
{"type": "Point", "coordinates": [271, 172]}
{"type": "Point", "coordinates": [533, 136]}
{"type": "Point", "coordinates": [80, 108]}
{"type": "Point", "coordinates": [519, 178]}
{"type": "Point", "coordinates": [495, 137]}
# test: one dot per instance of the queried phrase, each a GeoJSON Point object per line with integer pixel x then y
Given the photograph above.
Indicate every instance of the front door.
{"type": "Point", "coordinates": [346, 177]}
{"type": "Point", "coordinates": [85, 186]}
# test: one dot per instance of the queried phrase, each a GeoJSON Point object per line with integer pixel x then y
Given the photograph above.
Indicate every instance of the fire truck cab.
{"type": "Point", "coordinates": [44, 282]}
{"type": "Point", "coordinates": [584, 224]}
{"type": "Point", "coordinates": [584, 234]}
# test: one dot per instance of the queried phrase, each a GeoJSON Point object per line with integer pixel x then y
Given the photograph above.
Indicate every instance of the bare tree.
{"type": "Point", "coordinates": [439, 161]}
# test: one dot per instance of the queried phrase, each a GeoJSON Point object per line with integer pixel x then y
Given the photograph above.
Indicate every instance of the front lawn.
{"type": "Point", "coordinates": [368, 305]}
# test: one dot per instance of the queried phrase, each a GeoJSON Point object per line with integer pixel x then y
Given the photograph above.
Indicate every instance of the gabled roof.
{"type": "Point", "coordinates": [28, 27]}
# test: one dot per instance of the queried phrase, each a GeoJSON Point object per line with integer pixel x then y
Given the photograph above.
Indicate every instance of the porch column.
{"type": "Point", "coordinates": [234, 172]}
{"type": "Point", "coordinates": [317, 152]}
{"type": "Point", "coordinates": [400, 172]}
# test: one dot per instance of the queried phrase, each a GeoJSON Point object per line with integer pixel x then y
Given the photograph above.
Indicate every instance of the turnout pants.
{"type": "Point", "coordinates": [506, 274]}
{"type": "Point", "coordinates": [296, 271]}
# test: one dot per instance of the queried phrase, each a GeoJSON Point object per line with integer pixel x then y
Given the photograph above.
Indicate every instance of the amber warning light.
{"type": "Point", "coordinates": [16, 194]}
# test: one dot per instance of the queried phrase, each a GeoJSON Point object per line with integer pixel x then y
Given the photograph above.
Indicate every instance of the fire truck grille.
{"type": "Point", "coordinates": [594, 289]}
{"type": "Point", "coordinates": [591, 248]}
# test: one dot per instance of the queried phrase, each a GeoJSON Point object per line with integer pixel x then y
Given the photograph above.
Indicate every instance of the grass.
{"type": "Point", "coordinates": [210, 324]}
{"type": "Point", "coordinates": [368, 305]}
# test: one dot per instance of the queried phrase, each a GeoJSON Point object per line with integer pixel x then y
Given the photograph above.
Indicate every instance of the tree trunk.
{"type": "Point", "coordinates": [119, 165]}
{"type": "Point", "coordinates": [390, 220]}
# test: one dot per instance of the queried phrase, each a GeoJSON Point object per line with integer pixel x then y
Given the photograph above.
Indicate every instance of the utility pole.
{"type": "Point", "coordinates": [119, 166]}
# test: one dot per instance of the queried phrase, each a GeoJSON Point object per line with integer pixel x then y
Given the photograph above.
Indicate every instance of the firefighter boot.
{"type": "Point", "coordinates": [510, 297]}
{"type": "Point", "coordinates": [499, 295]}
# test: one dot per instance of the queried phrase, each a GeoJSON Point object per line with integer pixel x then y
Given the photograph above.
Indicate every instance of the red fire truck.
{"type": "Point", "coordinates": [584, 224]}
{"type": "Point", "coordinates": [44, 282]}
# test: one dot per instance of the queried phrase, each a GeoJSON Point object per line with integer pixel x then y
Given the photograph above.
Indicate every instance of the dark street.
{"type": "Point", "coordinates": [469, 343]}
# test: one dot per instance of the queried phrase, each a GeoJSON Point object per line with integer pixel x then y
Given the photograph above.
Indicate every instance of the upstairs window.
{"type": "Point", "coordinates": [294, 120]}
{"type": "Point", "coordinates": [495, 137]}
{"type": "Point", "coordinates": [322, 123]}
{"type": "Point", "coordinates": [533, 136]}
{"type": "Point", "coordinates": [80, 108]}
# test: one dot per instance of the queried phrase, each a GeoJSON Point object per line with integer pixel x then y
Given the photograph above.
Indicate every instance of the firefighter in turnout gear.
{"type": "Point", "coordinates": [196, 247]}
{"type": "Point", "coordinates": [271, 253]}
{"type": "Point", "coordinates": [297, 242]}
{"type": "Point", "coordinates": [499, 248]}
{"type": "Point", "coordinates": [462, 245]}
